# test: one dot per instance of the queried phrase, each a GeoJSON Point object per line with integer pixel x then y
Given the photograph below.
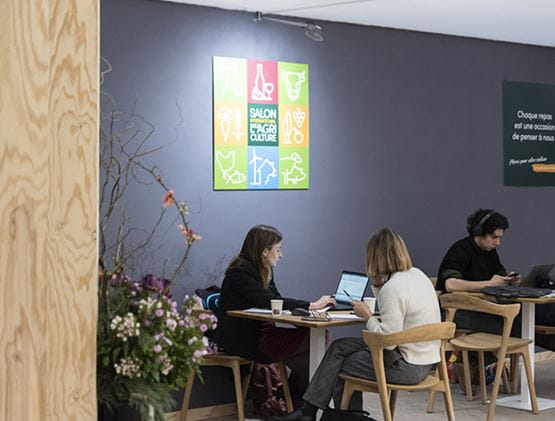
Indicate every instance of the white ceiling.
{"type": "Point", "coordinates": [520, 21]}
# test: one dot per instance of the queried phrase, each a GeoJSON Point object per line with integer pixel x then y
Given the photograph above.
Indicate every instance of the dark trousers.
{"type": "Point", "coordinates": [351, 356]}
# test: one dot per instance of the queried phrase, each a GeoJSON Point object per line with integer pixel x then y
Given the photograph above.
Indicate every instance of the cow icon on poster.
{"type": "Point", "coordinates": [260, 124]}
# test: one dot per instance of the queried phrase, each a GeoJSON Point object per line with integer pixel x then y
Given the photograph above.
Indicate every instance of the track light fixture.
{"type": "Point", "coordinates": [311, 30]}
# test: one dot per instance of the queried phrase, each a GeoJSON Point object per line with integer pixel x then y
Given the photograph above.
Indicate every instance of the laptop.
{"type": "Point", "coordinates": [354, 284]}
{"type": "Point", "coordinates": [536, 273]}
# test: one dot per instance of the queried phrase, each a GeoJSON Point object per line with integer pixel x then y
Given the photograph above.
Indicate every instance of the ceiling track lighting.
{"type": "Point", "coordinates": [311, 30]}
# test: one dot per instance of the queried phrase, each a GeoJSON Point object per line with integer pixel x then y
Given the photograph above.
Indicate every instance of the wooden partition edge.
{"type": "Point", "coordinates": [49, 64]}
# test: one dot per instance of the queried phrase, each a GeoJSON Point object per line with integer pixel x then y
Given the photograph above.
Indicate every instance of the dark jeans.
{"type": "Point", "coordinates": [351, 356]}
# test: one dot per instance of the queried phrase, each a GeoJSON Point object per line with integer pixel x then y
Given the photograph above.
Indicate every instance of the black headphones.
{"type": "Point", "coordinates": [478, 229]}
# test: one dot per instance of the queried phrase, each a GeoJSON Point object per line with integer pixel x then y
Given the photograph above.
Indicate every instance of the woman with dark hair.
{"type": "Point", "coordinates": [406, 299]}
{"type": "Point", "coordinates": [249, 282]}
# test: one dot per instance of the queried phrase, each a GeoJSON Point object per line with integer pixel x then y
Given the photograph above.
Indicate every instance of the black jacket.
{"type": "Point", "coordinates": [466, 260]}
{"type": "Point", "coordinates": [241, 289]}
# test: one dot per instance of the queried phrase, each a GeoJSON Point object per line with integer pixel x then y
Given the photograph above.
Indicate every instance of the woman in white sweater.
{"type": "Point", "coordinates": [406, 299]}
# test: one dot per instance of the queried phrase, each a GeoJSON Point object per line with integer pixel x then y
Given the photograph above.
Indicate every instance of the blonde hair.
{"type": "Point", "coordinates": [386, 253]}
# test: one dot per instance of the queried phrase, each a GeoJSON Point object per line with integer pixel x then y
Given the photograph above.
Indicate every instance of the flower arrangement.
{"type": "Point", "coordinates": [147, 342]}
{"type": "Point", "coordinates": [147, 345]}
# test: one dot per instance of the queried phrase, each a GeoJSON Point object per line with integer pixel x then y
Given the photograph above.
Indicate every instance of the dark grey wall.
{"type": "Point", "coordinates": [406, 131]}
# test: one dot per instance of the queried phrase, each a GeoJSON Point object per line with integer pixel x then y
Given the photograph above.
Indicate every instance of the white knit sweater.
{"type": "Point", "coordinates": [408, 300]}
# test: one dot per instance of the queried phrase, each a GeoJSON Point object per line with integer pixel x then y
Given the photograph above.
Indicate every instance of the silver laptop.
{"type": "Point", "coordinates": [350, 284]}
{"type": "Point", "coordinates": [536, 273]}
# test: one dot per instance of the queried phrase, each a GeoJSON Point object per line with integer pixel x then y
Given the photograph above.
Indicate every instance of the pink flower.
{"type": "Point", "coordinates": [157, 348]}
{"type": "Point", "coordinates": [197, 354]}
{"type": "Point", "coordinates": [203, 328]}
{"type": "Point", "coordinates": [189, 234]}
{"type": "Point", "coordinates": [181, 322]}
{"type": "Point", "coordinates": [168, 199]}
{"type": "Point", "coordinates": [159, 312]}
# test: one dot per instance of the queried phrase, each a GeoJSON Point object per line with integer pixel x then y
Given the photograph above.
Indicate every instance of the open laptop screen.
{"type": "Point", "coordinates": [352, 282]}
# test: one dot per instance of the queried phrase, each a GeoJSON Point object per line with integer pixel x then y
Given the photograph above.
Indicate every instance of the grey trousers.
{"type": "Point", "coordinates": [351, 356]}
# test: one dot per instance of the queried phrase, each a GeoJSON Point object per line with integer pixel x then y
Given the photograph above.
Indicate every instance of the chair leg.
{"type": "Point", "coordinates": [285, 383]}
{"type": "Point", "coordinates": [431, 401]}
{"type": "Point", "coordinates": [187, 396]}
{"type": "Point", "coordinates": [506, 382]}
{"type": "Point", "coordinates": [236, 368]}
{"type": "Point", "coordinates": [495, 389]}
{"type": "Point", "coordinates": [482, 375]}
{"type": "Point", "coordinates": [515, 371]}
{"type": "Point", "coordinates": [447, 398]}
{"type": "Point", "coordinates": [348, 390]}
{"type": "Point", "coordinates": [467, 379]}
{"type": "Point", "coordinates": [530, 380]}
{"type": "Point", "coordinates": [247, 382]}
{"type": "Point", "coordinates": [384, 400]}
{"type": "Point", "coordinates": [392, 402]}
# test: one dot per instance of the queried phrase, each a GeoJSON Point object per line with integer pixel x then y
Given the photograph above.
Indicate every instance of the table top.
{"type": "Point", "coordinates": [297, 320]}
{"type": "Point", "coordinates": [542, 300]}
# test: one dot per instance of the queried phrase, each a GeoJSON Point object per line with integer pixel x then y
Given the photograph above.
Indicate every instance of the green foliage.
{"type": "Point", "coordinates": [146, 346]}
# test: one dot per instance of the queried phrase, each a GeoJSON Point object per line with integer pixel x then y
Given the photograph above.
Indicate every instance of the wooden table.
{"type": "Point", "coordinates": [522, 400]}
{"type": "Point", "coordinates": [317, 331]}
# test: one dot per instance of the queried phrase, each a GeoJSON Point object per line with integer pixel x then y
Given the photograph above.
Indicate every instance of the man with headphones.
{"type": "Point", "coordinates": [473, 263]}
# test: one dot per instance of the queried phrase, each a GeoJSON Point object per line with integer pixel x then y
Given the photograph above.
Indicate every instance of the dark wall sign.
{"type": "Point", "coordinates": [529, 134]}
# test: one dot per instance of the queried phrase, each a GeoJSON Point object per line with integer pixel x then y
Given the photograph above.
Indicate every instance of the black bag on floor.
{"type": "Point", "coordinates": [331, 414]}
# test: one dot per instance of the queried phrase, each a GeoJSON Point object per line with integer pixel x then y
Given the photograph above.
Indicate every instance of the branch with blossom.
{"type": "Point", "coordinates": [147, 344]}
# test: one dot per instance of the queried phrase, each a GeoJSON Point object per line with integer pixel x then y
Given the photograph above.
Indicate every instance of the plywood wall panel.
{"type": "Point", "coordinates": [48, 209]}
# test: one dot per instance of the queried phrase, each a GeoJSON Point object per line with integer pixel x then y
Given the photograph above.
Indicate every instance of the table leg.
{"type": "Point", "coordinates": [522, 400]}
{"type": "Point", "coordinates": [317, 349]}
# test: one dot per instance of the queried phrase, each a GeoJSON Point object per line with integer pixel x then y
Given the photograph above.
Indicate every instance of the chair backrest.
{"type": "Point", "coordinates": [431, 332]}
{"type": "Point", "coordinates": [463, 301]}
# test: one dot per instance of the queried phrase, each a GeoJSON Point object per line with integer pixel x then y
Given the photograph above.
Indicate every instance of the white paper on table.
{"type": "Point", "coordinates": [340, 316]}
{"type": "Point", "coordinates": [263, 311]}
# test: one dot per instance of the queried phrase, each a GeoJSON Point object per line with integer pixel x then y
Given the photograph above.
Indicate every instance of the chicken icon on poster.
{"type": "Point", "coordinates": [261, 124]}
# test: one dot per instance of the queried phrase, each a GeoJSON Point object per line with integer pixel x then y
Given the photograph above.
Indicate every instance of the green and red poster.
{"type": "Point", "coordinates": [261, 124]}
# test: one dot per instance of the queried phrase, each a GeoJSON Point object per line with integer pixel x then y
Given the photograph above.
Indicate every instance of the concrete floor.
{"type": "Point", "coordinates": [413, 405]}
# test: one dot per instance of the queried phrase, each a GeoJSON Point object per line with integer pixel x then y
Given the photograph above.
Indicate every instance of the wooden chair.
{"type": "Point", "coordinates": [388, 392]}
{"type": "Point", "coordinates": [501, 345]}
{"type": "Point", "coordinates": [234, 363]}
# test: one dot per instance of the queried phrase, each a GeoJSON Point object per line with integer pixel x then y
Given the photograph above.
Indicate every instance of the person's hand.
{"type": "Point", "coordinates": [515, 280]}
{"type": "Point", "coordinates": [323, 301]}
{"type": "Point", "coordinates": [499, 281]}
{"type": "Point", "coordinates": [361, 309]}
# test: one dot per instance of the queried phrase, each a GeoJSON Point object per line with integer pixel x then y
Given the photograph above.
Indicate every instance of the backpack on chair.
{"type": "Point", "coordinates": [267, 390]}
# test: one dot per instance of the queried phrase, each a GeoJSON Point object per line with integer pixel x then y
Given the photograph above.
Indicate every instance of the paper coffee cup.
{"type": "Point", "coordinates": [371, 303]}
{"type": "Point", "coordinates": [277, 307]}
